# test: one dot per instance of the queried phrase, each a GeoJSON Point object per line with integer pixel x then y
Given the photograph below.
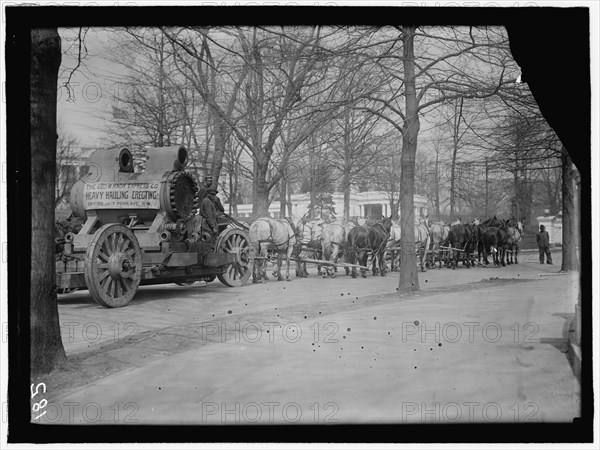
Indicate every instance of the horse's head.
{"type": "Point", "coordinates": [298, 224]}
{"type": "Point", "coordinates": [387, 224]}
{"type": "Point", "coordinates": [492, 222]}
{"type": "Point", "coordinates": [520, 226]}
{"type": "Point", "coordinates": [325, 217]}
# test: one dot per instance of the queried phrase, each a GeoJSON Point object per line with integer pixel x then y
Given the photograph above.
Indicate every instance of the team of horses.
{"type": "Point", "coordinates": [435, 244]}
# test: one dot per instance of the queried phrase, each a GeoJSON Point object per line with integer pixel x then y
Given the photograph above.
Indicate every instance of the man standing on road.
{"type": "Point", "coordinates": [543, 242]}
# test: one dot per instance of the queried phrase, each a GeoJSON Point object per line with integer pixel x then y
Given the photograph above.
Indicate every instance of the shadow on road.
{"type": "Point", "coordinates": [145, 294]}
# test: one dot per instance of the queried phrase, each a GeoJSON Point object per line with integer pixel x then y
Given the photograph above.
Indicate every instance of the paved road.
{"type": "Point", "coordinates": [464, 349]}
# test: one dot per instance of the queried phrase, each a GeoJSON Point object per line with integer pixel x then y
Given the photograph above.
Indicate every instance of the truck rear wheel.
{"type": "Point", "coordinates": [113, 265]}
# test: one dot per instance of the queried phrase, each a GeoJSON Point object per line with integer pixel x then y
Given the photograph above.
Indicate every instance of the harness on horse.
{"type": "Point", "coordinates": [294, 229]}
{"type": "Point", "coordinates": [384, 241]}
{"type": "Point", "coordinates": [466, 243]}
{"type": "Point", "coordinates": [270, 238]}
{"type": "Point", "coordinates": [418, 242]}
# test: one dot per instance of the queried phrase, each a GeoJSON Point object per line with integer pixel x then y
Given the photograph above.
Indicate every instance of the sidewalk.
{"type": "Point", "coordinates": [491, 352]}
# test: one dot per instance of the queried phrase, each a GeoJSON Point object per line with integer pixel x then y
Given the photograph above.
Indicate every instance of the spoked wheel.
{"type": "Point", "coordinates": [113, 265]}
{"type": "Point", "coordinates": [235, 240]}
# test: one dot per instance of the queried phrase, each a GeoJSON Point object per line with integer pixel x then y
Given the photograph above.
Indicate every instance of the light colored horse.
{"type": "Point", "coordinates": [348, 225]}
{"type": "Point", "coordinates": [333, 238]}
{"type": "Point", "coordinates": [422, 242]}
{"type": "Point", "coordinates": [311, 238]}
{"type": "Point", "coordinates": [279, 236]}
{"type": "Point", "coordinates": [394, 241]}
{"type": "Point", "coordinates": [513, 242]}
{"type": "Point", "coordinates": [439, 233]}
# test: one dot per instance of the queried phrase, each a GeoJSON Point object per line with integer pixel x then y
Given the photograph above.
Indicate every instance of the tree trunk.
{"type": "Point", "coordinates": [311, 179]}
{"type": "Point", "coordinates": [487, 176]}
{"type": "Point", "coordinates": [455, 143]}
{"type": "Point", "coordinates": [437, 185]}
{"type": "Point", "coordinates": [570, 219]}
{"type": "Point", "coordinates": [161, 98]}
{"type": "Point", "coordinates": [219, 153]}
{"type": "Point", "coordinates": [409, 280]}
{"type": "Point", "coordinates": [219, 130]}
{"type": "Point", "coordinates": [519, 195]}
{"type": "Point", "coordinates": [282, 197]}
{"type": "Point", "coordinates": [452, 182]}
{"type": "Point", "coordinates": [346, 198]}
{"type": "Point", "coordinates": [260, 205]}
{"type": "Point", "coordinates": [206, 155]}
{"type": "Point", "coordinates": [260, 197]}
{"type": "Point", "coordinates": [235, 187]}
{"type": "Point", "coordinates": [394, 209]}
{"type": "Point", "coordinates": [46, 345]}
{"type": "Point", "coordinates": [231, 192]}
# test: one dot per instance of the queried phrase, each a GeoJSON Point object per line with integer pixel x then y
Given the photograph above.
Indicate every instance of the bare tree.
{"type": "Point", "coordinates": [548, 193]}
{"type": "Point", "coordinates": [459, 119]}
{"type": "Point", "coordinates": [447, 64]}
{"type": "Point", "coordinates": [570, 226]}
{"type": "Point", "coordinates": [209, 68]}
{"type": "Point", "coordinates": [274, 88]}
{"type": "Point", "coordinates": [522, 145]}
{"type": "Point", "coordinates": [150, 106]}
{"type": "Point", "coordinates": [356, 148]}
{"type": "Point", "coordinates": [47, 350]}
{"type": "Point", "coordinates": [231, 165]}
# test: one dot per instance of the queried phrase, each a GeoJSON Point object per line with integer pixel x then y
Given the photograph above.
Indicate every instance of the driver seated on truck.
{"type": "Point", "coordinates": [218, 204]}
{"type": "Point", "coordinates": [208, 210]}
{"type": "Point", "coordinates": [208, 180]}
{"type": "Point", "coordinates": [204, 188]}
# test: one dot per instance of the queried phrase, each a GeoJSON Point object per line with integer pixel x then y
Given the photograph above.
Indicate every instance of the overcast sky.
{"type": "Point", "coordinates": [93, 86]}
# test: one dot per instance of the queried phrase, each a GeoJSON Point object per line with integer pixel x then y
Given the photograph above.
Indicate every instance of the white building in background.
{"type": "Point", "coordinates": [370, 204]}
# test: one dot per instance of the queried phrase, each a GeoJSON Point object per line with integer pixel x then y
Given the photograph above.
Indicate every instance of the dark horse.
{"type": "Point", "coordinates": [364, 239]}
{"type": "Point", "coordinates": [493, 233]}
{"type": "Point", "coordinates": [463, 238]}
